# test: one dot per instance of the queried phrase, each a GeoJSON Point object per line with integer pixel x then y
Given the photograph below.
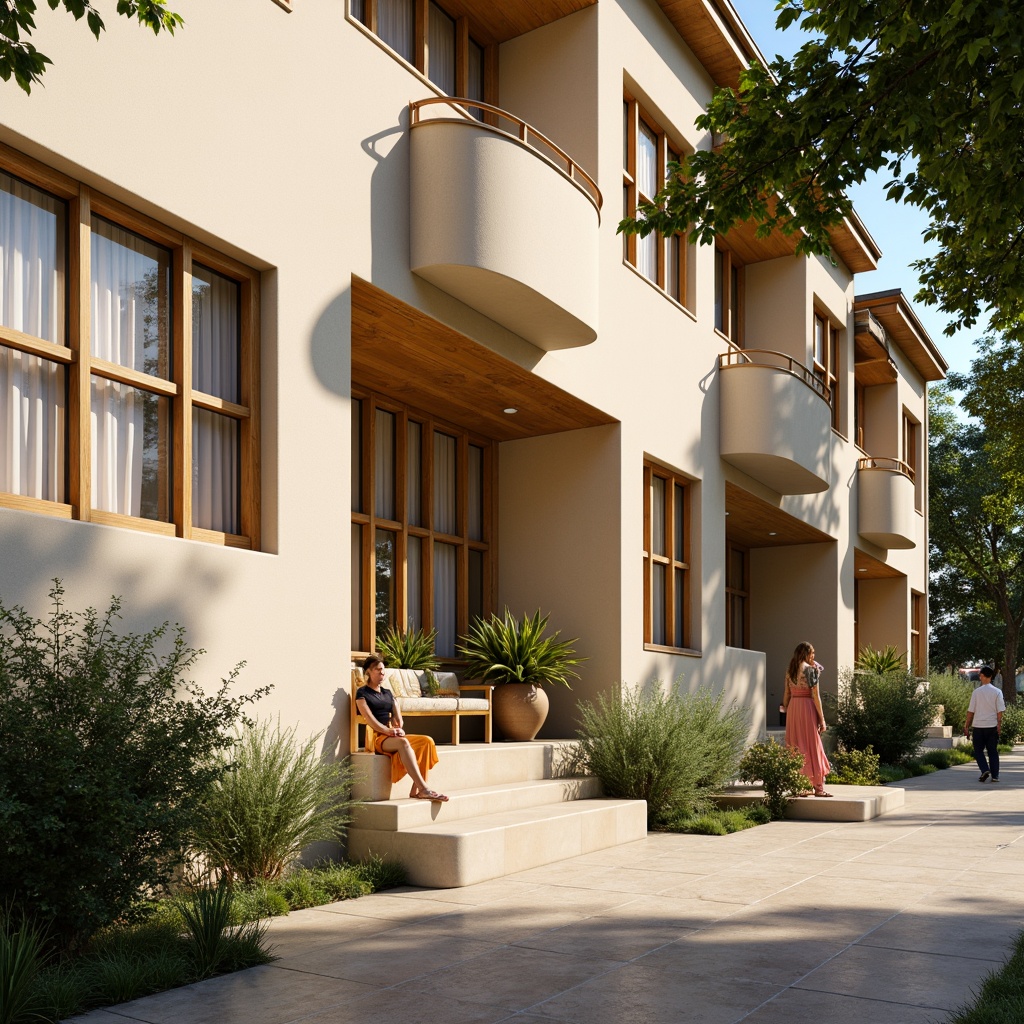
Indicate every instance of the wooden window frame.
{"type": "Point", "coordinates": [82, 203]}
{"type": "Point", "coordinates": [918, 634]}
{"type": "Point", "coordinates": [403, 529]}
{"type": "Point", "coordinates": [634, 114]}
{"type": "Point", "coordinates": [910, 444]}
{"type": "Point", "coordinates": [732, 322]}
{"type": "Point", "coordinates": [421, 48]}
{"type": "Point", "coordinates": [827, 370]}
{"type": "Point", "coordinates": [742, 592]}
{"type": "Point", "coordinates": [673, 560]}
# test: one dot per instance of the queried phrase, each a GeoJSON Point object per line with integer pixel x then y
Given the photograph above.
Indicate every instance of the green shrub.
{"type": "Point", "coordinates": [719, 821]}
{"type": "Point", "coordinates": [953, 693]}
{"type": "Point", "coordinates": [303, 889]}
{"type": "Point", "coordinates": [854, 768]}
{"type": "Point", "coordinates": [1012, 725]}
{"type": "Point", "coordinates": [380, 873]}
{"type": "Point", "coordinates": [410, 648]}
{"type": "Point", "coordinates": [256, 900]}
{"type": "Point", "coordinates": [947, 758]}
{"type": "Point", "coordinates": [889, 713]}
{"type": "Point", "coordinates": [893, 773]}
{"type": "Point", "coordinates": [22, 956]}
{"type": "Point", "coordinates": [777, 768]}
{"type": "Point", "coordinates": [270, 799]}
{"type": "Point", "coordinates": [105, 750]}
{"type": "Point", "coordinates": [880, 663]}
{"type": "Point", "coordinates": [216, 946]}
{"type": "Point", "coordinates": [671, 749]}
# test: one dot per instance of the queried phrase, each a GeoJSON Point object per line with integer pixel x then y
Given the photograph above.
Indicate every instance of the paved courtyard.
{"type": "Point", "coordinates": [892, 920]}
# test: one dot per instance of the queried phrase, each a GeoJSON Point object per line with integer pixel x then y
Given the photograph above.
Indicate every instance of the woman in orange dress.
{"type": "Point", "coordinates": [805, 721]}
{"type": "Point", "coordinates": [413, 754]}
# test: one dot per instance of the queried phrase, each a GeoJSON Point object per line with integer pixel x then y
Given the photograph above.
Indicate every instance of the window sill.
{"type": "Point", "coordinates": [24, 504]}
{"type": "Point", "coordinates": [685, 652]}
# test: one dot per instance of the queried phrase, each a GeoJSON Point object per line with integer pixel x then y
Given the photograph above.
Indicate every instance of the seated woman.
{"type": "Point", "coordinates": [413, 754]}
{"type": "Point", "coordinates": [805, 720]}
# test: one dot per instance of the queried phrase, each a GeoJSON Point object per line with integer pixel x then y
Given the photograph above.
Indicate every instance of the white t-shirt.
{"type": "Point", "coordinates": [985, 702]}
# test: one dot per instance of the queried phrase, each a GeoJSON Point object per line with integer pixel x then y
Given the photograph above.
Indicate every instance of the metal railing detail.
{"type": "Point", "coordinates": [525, 133]}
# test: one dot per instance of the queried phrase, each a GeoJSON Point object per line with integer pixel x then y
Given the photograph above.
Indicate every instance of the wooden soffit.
{"type": "Point", "coordinates": [401, 352]}
{"type": "Point", "coordinates": [866, 567]}
{"type": "Point", "coordinates": [853, 245]}
{"type": "Point", "coordinates": [495, 22]}
{"type": "Point", "coordinates": [893, 310]}
{"type": "Point", "coordinates": [754, 523]}
{"type": "Point", "coordinates": [719, 40]}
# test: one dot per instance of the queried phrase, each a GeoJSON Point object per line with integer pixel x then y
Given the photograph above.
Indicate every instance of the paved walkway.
{"type": "Point", "coordinates": [797, 922]}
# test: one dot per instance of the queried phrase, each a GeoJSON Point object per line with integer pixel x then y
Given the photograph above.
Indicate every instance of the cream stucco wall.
{"type": "Point", "coordinates": [294, 163]}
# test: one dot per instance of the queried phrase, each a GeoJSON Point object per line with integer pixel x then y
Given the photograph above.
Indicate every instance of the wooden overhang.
{"type": "Point", "coordinates": [753, 522]}
{"type": "Point", "coordinates": [893, 311]}
{"type": "Point", "coordinates": [872, 362]}
{"type": "Point", "coordinates": [401, 352]}
{"type": "Point", "coordinates": [491, 23]}
{"type": "Point", "coordinates": [867, 567]}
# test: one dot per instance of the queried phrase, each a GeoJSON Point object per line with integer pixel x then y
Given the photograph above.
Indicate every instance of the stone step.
{"type": "Point", "coordinates": [399, 815]}
{"type": "Point", "coordinates": [468, 765]}
{"type": "Point", "coordinates": [848, 803]}
{"type": "Point", "coordinates": [938, 743]}
{"type": "Point", "coordinates": [449, 853]}
{"type": "Point", "coordinates": [944, 732]}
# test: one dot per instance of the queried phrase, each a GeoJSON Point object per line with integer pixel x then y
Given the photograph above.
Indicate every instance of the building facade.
{"type": "Point", "coordinates": [294, 347]}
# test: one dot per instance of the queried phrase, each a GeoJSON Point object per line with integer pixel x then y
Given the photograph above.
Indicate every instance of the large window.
{"type": "Point", "coordinates": [646, 154]}
{"type": "Point", "coordinates": [728, 294]}
{"type": "Point", "coordinates": [439, 46]}
{"type": "Point", "coordinates": [666, 558]}
{"type": "Point", "coordinates": [422, 507]}
{"type": "Point", "coordinates": [737, 595]}
{"type": "Point", "coordinates": [911, 454]}
{"type": "Point", "coordinates": [918, 635]}
{"type": "Point", "coordinates": [128, 366]}
{"type": "Point", "coordinates": [826, 361]}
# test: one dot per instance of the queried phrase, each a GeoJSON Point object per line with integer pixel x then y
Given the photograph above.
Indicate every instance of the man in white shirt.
{"type": "Point", "coordinates": [986, 714]}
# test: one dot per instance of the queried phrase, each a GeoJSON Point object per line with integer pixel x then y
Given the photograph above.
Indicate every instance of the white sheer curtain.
{"type": "Point", "coordinates": [129, 293]}
{"type": "Point", "coordinates": [384, 465]}
{"type": "Point", "coordinates": [647, 185]}
{"type": "Point", "coordinates": [31, 301]}
{"type": "Point", "coordinates": [441, 53]}
{"type": "Point", "coordinates": [445, 521]}
{"type": "Point", "coordinates": [216, 341]}
{"type": "Point", "coordinates": [396, 25]}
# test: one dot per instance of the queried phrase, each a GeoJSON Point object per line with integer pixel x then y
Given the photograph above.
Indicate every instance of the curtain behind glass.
{"type": "Point", "coordinates": [130, 326]}
{"type": "Point", "coordinates": [32, 238]}
{"type": "Point", "coordinates": [396, 25]}
{"type": "Point", "coordinates": [216, 439]}
{"type": "Point", "coordinates": [384, 465]}
{"type": "Point", "coordinates": [444, 598]}
{"type": "Point", "coordinates": [441, 55]}
{"type": "Point", "coordinates": [445, 520]}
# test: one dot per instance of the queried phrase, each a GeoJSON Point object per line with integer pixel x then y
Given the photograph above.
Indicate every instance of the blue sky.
{"type": "Point", "coordinates": [896, 228]}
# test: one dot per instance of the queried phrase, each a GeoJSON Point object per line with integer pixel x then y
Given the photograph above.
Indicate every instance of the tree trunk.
{"type": "Point", "coordinates": [1009, 667]}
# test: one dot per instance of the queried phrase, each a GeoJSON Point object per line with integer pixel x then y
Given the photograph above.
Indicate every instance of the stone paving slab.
{"type": "Point", "coordinates": [892, 920]}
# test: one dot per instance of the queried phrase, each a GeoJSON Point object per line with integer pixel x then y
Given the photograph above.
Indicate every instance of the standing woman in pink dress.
{"type": "Point", "coordinates": [805, 721]}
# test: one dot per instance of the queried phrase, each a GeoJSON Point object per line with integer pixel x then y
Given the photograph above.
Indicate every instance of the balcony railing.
{"type": "Point", "coordinates": [891, 465]}
{"type": "Point", "coordinates": [778, 360]}
{"type": "Point", "coordinates": [494, 118]}
{"type": "Point", "coordinates": [885, 502]}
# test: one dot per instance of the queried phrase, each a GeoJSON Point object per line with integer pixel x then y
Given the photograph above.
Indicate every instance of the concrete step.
{"type": "Point", "coordinates": [938, 742]}
{"type": "Point", "coordinates": [944, 732]}
{"type": "Point", "coordinates": [449, 853]}
{"type": "Point", "coordinates": [848, 803]}
{"type": "Point", "coordinates": [468, 765]}
{"type": "Point", "coordinates": [399, 815]}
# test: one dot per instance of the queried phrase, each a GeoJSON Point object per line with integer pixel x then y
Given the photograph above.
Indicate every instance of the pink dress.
{"type": "Point", "coordinates": [802, 727]}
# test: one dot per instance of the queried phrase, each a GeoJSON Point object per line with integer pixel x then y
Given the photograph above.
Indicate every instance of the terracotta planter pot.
{"type": "Point", "coordinates": [519, 710]}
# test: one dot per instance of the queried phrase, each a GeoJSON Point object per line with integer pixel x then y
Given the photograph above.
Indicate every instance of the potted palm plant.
{"type": "Point", "coordinates": [413, 649]}
{"type": "Point", "coordinates": [520, 660]}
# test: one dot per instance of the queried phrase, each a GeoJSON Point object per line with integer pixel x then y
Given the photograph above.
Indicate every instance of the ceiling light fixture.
{"type": "Point", "coordinates": [510, 411]}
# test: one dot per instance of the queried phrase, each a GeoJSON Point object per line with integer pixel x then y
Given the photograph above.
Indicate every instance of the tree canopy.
{"type": "Point", "coordinates": [976, 519]}
{"type": "Point", "coordinates": [20, 59]}
{"type": "Point", "coordinates": [925, 91]}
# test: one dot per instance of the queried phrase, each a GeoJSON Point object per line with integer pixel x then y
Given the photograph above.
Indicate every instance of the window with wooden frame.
{"type": "Point", "coordinates": [826, 361]}
{"type": "Point", "coordinates": [737, 596]}
{"type": "Point", "coordinates": [728, 294]}
{"type": "Point", "coordinates": [129, 372]}
{"type": "Point", "coordinates": [423, 501]}
{"type": "Point", "coordinates": [646, 154]}
{"type": "Point", "coordinates": [666, 558]}
{"type": "Point", "coordinates": [918, 635]}
{"type": "Point", "coordinates": [436, 44]}
{"type": "Point", "coordinates": [911, 455]}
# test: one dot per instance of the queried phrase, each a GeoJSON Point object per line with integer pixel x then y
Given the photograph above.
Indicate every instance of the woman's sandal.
{"type": "Point", "coordinates": [429, 794]}
{"type": "Point", "coordinates": [822, 793]}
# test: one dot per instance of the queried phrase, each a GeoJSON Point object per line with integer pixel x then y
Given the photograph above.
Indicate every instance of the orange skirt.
{"type": "Point", "coordinates": [422, 747]}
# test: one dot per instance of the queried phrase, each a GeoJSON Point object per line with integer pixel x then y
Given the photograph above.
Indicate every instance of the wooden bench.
{"type": "Point", "coordinates": [409, 686]}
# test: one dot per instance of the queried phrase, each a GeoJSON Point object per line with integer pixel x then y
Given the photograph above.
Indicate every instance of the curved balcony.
{"type": "Point", "coordinates": [885, 503]}
{"type": "Point", "coordinates": [776, 422]}
{"type": "Point", "coordinates": [504, 220]}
